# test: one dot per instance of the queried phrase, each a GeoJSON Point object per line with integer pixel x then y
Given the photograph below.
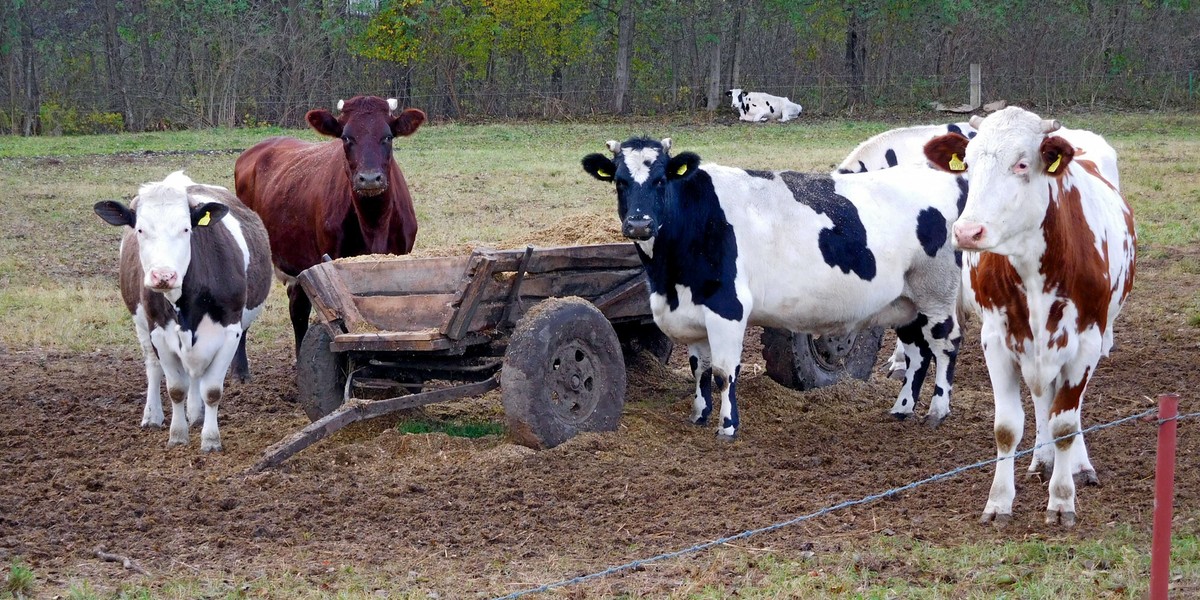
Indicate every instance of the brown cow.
{"type": "Point", "coordinates": [344, 197]}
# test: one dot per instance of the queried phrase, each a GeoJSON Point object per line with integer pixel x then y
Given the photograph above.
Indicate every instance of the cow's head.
{"type": "Point", "coordinates": [642, 170]}
{"type": "Point", "coordinates": [163, 217]}
{"type": "Point", "coordinates": [1009, 162]}
{"type": "Point", "coordinates": [366, 127]}
{"type": "Point", "coordinates": [735, 98]}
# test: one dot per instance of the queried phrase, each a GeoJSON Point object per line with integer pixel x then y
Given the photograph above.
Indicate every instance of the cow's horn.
{"type": "Point", "coordinates": [976, 121]}
{"type": "Point", "coordinates": [340, 104]}
{"type": "Point", "coordinates": [666, 144]}
{"type": "Point", "coordinates": [613, 146]}
{"type": "Point", "coordinates": [393, 104]}
{"type": "Point", "coordinates": [1050, 125]}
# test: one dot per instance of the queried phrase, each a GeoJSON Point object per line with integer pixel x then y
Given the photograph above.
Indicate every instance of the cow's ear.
{"type": "Point", "coordinates": [683, 165]}
{"type": "Point", "coordinates": [407, 122]}
{"type": "Point", "coordinates": [1056, 155]}
{"type": "Point", "coordinates": [115, 213]}
{"type": "Point", "coordinates": [204, 215]}
{"type": "Point", "coordinates": [324, 122]}
{"type": "Point", "coordinates": [601, 167]}
{"type": "Point", "coordinates": [946, 152]}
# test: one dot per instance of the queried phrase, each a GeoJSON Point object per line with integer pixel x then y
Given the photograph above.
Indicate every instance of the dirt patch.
{"type": "Point", "coordinates": [471, 518]}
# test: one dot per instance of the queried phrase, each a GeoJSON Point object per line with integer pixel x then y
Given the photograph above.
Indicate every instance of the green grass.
{"type": "Point", "coordinates": [19, 582]}
{"type": "Point", "coordinates": [464, 429]}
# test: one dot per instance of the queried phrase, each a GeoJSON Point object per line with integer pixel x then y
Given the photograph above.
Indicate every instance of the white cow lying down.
{"type": "Point", "coordinates": [758, 107]}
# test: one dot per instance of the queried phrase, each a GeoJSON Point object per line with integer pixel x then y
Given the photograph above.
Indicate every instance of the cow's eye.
{"type": "Point", "coordinates": [140, 231]}
{"type": "Point", "coordinates": [349, 141]}
{"type": "Point", "coordinates": [387, 140]}
{"type": "Point", "coordinates": [1021, 168]}
{"type": "Point", "coordinates": [187, 229]}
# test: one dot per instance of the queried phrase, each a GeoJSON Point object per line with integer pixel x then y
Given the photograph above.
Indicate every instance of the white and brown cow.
{"type": "Point", "coordinates": [195, 272]}
{"type": "Point", "coordinates": [1051, 260]}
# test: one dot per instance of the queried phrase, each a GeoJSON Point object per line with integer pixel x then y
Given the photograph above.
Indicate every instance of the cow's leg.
{"type": "Point", "coordinates": [895, 366]}
{"type": "Point", "coordinates": [152, 414]}
{"type": "Point", "coordinates": [299, 307]}
{"type": "Point", "coordinates": [700, 360]}
{"type": "Point", "coordinates": [1008, 426]}
{"type": "Point", "coordinates": [944, 339]}
{"type": "Point", "coordinates": [917, 355]}
{"type": "Point", "coordinates": [177, 384]}
{"type": "Point", "coordinates": [1042, 462]}
{"type": "Point", "coordinates": [241, 364]}
{"type": "Point", "coordinates": [212, 382]}
{"type": "Point", "coordinates": [725, 339]}
{"type": "Point", "coordinates": [1065, 421]}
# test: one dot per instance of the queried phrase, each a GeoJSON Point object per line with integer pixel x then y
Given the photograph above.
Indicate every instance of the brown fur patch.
{"type": "Point", "coordinates": [1006, 439]}
{"type": "Point", "coordinates": [1073, 268]}
{"type": "Point", "coordinates": [1093, 170]}
{"type": "Point", "coordinates": [997, 286]}
{"type": "Point", "coordinates": [1068, 398]}
{"type": "Point", "coordinates": [941, 149]}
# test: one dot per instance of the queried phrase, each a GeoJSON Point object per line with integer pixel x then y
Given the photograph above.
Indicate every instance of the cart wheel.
{"type": "Point", "coordinates": [804, 362]}
{"type": "Point", "coordinates": [320, 374]}
{"type": "Point", "coordinates": [563, 373]}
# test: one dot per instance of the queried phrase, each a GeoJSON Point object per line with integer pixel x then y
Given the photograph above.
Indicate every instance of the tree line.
{"type": "Point", "coordinates": [73, 66]}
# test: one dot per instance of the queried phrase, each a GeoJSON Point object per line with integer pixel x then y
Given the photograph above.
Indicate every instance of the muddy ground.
{"type": "Point", "coordinates": [478, 518]}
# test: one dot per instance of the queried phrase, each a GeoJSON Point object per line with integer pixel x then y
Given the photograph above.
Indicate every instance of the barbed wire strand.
{"type": "Point", "coordinates": [824, 511]}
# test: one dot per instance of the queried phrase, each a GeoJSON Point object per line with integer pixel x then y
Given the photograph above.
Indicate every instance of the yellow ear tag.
{"type": "Point", "coordinates": [1054, 165]}
{"type": "Point", "coordinates": [603, 173]}
{"type": "Point", "coordinates": [205, 220]}
{"type": "Point", "coordinates": [681, 170]}
{"type": "Point", "coordinates": [956, 164]}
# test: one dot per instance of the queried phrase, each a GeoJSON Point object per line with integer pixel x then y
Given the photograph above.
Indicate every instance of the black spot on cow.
{"type": "Point", "coordinates": [911, 335]}
{"type": "Point", "coordinates": [961, 203]}
{"type": "Point", "coordinates": [890, 157]}
{"type": "Point", "coordinates": [845, 244]}
{"type": "Point", "coordinates": [942, 330]}
{"type": "Point", "coordinates": [732, 420]}
{"type": "Point", "coordinates": [769, 107]}
{"type": "Point", "coordinates": [931, 230]}
{"type": "Point", "coordinates": [706, 392]}
{"type": "Point", "coordinates": [760, 174]}
{"type": "Point", "coordinates": [862, 167]}
{"type": "Point", "coordinates": [695, 248]}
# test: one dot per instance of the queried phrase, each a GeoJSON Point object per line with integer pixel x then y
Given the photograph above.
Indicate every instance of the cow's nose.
{"type": "Point", "coordinates": [369, 180]}
{"type": "Point", "coordinates": [968, 235]}
{"type": "Point", "coordinates": [638, 227]}
{"type": "Point", "coordinates": [163, 278]}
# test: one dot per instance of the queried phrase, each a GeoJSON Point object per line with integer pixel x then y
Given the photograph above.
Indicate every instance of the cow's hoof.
{"type": "Point", "coordinates": [152, 424]}
{"type": "Point", "coordinates": [998, 519]}
{"type": "Point", "coordinates": [171, 443]}
{"type": "Point", "coordinates": [900, 416]}
{"type": "Point", "coordinates": [726, 437]}
{"type": "Point", "coordinates": [897, 374]}
{"type": "Point", "coordinates": [699, 422]}
{"type": "Point", "coordinates": [1087, 477]}
{"type": "Point", "coordinates": [211, 447]}
{"type": "Point", "coordinates": [1060, 517]}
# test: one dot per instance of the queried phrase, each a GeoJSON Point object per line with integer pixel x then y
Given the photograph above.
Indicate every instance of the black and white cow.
{"type": "Point", "coordinates": [195, 272]}
{"type": "Point", "coordinates": [901, 146]}
{"type": "Point", "coordinates": [758, 107]}
{"type": "Point", "coordinates": [725, 248]}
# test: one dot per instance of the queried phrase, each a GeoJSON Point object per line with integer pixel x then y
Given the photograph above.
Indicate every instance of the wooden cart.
{"type": "Point", "coordinates": [550, 323]}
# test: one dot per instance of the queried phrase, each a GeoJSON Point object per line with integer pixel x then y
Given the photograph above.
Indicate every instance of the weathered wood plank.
{"type": "Point", "coordinates": [480, 271]}
{"type": "Point", "coordinates": [586, 284]}
{"type": "Point", "coordinates": [398, 275]}
{"type": "Point", "coordinates": [406, 313]}
{"type": "Point", "coordinates": [328, 293]}
{"type": "Point", "coordinates": [361, 410]}
{"type": "Point", "coordinates": [595, 256]}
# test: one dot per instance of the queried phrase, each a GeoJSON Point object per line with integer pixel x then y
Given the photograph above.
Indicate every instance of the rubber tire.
{"type": "Point", "coordinates": [554, 342]}
{"type": "Point", "coordinates": [320, 374]}
{"type": "Point", "coordinates": [793, 362]}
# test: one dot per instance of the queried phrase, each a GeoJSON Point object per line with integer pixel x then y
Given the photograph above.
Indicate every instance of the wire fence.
{"type": "Point", "coordinates": [835, 507]}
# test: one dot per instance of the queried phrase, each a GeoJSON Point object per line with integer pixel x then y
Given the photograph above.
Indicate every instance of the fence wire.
{"type": "Point", "coordinates": [829, 509]}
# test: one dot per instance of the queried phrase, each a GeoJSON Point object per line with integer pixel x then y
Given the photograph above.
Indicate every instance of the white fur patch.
{"type": "Point", "coordinates": [638, 162]}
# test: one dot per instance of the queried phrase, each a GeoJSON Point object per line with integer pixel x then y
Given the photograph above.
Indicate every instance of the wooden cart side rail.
{"type": "Point", "coordinates": [330, 297]}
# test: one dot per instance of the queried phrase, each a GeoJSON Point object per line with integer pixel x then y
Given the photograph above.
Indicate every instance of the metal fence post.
{"type": "Point", "coordinates": [1164, 497]}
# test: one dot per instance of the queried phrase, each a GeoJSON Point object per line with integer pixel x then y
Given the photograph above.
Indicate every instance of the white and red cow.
{"type": "Point", "coordinates": [758, 107]}
{"type": "Point", "coordinates": [195, 272]}
{"type": "Point", "coordinates": [1050, 261]}
{"type": "Point", "coordinates": [725, 248]}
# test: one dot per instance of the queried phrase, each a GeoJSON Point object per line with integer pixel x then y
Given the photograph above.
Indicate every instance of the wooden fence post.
{"type": "Point", "coordinates": [1164, 497]}
{"type": "Point", "coordinates": [976, 85]}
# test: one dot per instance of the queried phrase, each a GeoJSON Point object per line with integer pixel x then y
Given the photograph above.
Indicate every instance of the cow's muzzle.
{"type": "Point", "coordinates": [639, 228]}
{"type": "Point", "coordinates": [370, 183]}
{"type": "Point", "coordinates": [969, 236]}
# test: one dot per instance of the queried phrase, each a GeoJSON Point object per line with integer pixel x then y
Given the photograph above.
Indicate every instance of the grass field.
{"type": "Point", "coordinates": [490, 183]}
